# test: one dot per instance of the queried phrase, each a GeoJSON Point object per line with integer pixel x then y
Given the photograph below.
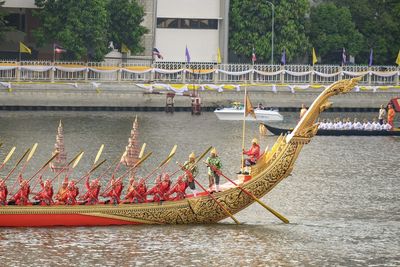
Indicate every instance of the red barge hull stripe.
{"type": "Point", "coordinates": [46, 220]}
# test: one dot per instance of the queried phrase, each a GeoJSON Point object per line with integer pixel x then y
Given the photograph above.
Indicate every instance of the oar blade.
{"type": "Point", "coordinates": [32, 152]}
{"type": "Point", "coordinates": [98, 165]}
{"type": "Point", "coordinates": [73, 160]}
{"type": "Point", "coordinates": [173, 150]}
{"type": "Point", "coordinates": [142, 151]}
{"type": "Point", "coordinates": [142, 159]}
{"type": "Point", "coordinates": [23, 156]}
{"type": "Point", "coordinates": [98, 154]}
{"type": "Point", "coordinates": [77, 160]}
{"type": "Point", "coordinates": [171, 154]}
{"type": "Point", "coordinates": [202, 155]}
{"type": "Point", "coordinates": [9, 155]}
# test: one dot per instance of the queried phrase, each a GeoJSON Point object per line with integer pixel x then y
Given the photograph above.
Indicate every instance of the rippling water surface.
{"type": "Point", "coordinates": [342, 198]}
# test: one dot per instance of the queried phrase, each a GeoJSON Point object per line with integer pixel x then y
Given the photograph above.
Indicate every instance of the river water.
{"type": "Point", "coordinates": [342, 198]}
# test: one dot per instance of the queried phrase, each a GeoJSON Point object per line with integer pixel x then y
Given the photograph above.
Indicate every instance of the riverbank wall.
{"type": "Point", "coordinates": [129, 96]}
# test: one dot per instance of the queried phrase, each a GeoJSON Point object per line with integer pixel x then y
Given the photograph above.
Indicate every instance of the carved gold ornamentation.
{"type": "Point", "coordinates": [272, 168]}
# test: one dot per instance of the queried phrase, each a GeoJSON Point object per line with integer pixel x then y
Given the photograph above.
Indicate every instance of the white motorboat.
{"type": "Point", "coordinates": [236, 112]}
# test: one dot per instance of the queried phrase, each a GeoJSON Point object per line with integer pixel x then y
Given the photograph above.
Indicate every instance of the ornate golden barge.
{"type": "Point", "coordinates": [271, 168]}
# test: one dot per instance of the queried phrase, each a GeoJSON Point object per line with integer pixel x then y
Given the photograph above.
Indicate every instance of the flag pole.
{"type": "Point", "coordinates": [54, 53]}
{"type": "Point", "coordinates": [244, 126]}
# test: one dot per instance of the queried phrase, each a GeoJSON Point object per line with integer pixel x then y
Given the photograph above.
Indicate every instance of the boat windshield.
{"type": "Point", "coordinates": [237, 105]}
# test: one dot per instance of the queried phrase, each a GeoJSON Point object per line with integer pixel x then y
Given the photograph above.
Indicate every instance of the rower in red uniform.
{"type": "Point", "coordinates": [115, 192]}
{"type": "Point", "coordinates": [253, 153]}
{"type": "Point", "coordinates": [131, 194]}
{"type": "Point", "coordinates": [3, 193]}
{"type": "Point", "coordinates": [155, 190]}
{"type": "Point", "coordinates": [22, 196]}
{"type": "Point", "coordinates": [142, 191]}
{"type": "Point", "coordinates": [165, 186]}
{"type": "Point", "coordinates": [62, 191]}
{"type": "Point", "coordinates": [179, 189]}
{"type": "Point", "coordinates": [71, 193]}
{"type": "Point", "coordinates": [45, 196]}
{"type": "Point", "coordinates": [91, 196]}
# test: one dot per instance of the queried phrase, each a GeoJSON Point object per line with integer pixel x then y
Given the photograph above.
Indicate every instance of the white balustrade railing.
{"type": "Point", "coordinates": [196, 72]}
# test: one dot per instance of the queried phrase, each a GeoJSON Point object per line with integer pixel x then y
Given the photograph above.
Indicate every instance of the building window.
{"type": "Point", "coordinates": [16, 20]}
{"type": "Point", "coordinates": [204, 24]}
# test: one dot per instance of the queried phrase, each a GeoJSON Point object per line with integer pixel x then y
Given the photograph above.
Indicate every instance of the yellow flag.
{"type": "Point", "coordinates": [398, 59]}
{"type": "Point", "coordinates": [24, 49]}
{"type": "Point", "coordinates": [314, 56]}
{"type": "Point", "coordinates": [219, 56]}
{"type": "Point", "coordinates": [124, 48]}
{"type": "Point", "coordinates": [249, 108]}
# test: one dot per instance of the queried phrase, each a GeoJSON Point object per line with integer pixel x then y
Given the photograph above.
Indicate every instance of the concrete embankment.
{"type": "Point", "coordinates": [128, 96]}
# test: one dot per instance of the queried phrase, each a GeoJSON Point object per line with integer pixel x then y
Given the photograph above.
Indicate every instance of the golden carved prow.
{"type": "Point", "coordinates": [306, 127]}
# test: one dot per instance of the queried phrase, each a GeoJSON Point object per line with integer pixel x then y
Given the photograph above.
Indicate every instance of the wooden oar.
{"type": "Point", "coordinates": [97, 156]}
{"type": "Point", "coordinates": [173, 151]}
{"type": "Point", "coordinates": [216, 201]}
{"type": "Point", "coordinates": [76, 161]}
{"type": "Point", "coordinates": [192, 165]}
{"type": "Point", "coordinates": [87, 174]}
{"type": "Point", "coordinates": [33, 150]}
{"type": "Point", "coordinates": [279, 216]}
{"type": "Point", "coordinates": [44, 166]}
{"type": "Point", "coordinates": [115, 169]}
{"type": "Point", "coordinates": [67, 166]}
{"type": "Point", "coordinates": [130, 169]}
{"type": "Point", "coordinates": [7, 157]}
{"type": "Point", "coordinates": [195, 163]}
{"type": "Point", "coordinates": [59, 172]}
{"type": "Point", "coordinates": [171, 154]}
{"type": "Point", "coordinates": [30, 155]}
{"type": "Point", "coordinates": [91, 171]}
{"type": "Point", "coordinates": [16, 165]}
{"type": "Point", "coordinates": [142, 150]}
{"type": "Point", "coordinates": [108, 169]}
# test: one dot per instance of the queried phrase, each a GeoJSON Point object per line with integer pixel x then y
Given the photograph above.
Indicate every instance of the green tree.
{"type": "Point", "coordinates": [332, 29]}
{"type": "Point", "coordinates": [3, 22]}
{"type": "Point", "coordinates": [250, 26]}
{"type": "Point", "coordinates": [125, 17]}
{"type": "Point", "coordinates": [80, 26]}
{"type": "Point", "coordinates": [379, 22]}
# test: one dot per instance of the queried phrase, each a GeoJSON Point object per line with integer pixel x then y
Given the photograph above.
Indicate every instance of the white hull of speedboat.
{"type": "Point", "coordinates": [231, 114]}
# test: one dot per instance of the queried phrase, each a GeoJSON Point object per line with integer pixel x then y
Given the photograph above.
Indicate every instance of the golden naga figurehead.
{"type": "Point", "coordinates": [307, 127]}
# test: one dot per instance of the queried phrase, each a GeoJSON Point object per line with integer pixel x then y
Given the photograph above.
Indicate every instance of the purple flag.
{"type": "Point", "coordinates": [343, 56]}
{"type": "Point", "coordinates": [283, 58]}
{"type": "Point", "coordinates": [187, 55]}
{"type": "Point", "coordinates": [370, 57]}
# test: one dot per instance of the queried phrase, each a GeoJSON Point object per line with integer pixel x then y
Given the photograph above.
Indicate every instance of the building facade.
{"type": "Point", "coordinates": [200, 25]}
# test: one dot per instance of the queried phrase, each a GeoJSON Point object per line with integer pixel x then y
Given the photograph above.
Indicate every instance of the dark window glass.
{"type": "Point", "coordinates": [194, 24]}
{"type": "Point", "coordinates": [185, 23]}
{"type": "Point", "coordinates": [173, 23]}
{"type": "Point", "coordinates": [15, 20]}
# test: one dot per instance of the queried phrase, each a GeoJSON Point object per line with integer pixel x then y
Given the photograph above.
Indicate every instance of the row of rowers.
{"type": "Point", "coordinates": [137, 191]}
{"type": "Point", "coordinates": [347, 124]}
